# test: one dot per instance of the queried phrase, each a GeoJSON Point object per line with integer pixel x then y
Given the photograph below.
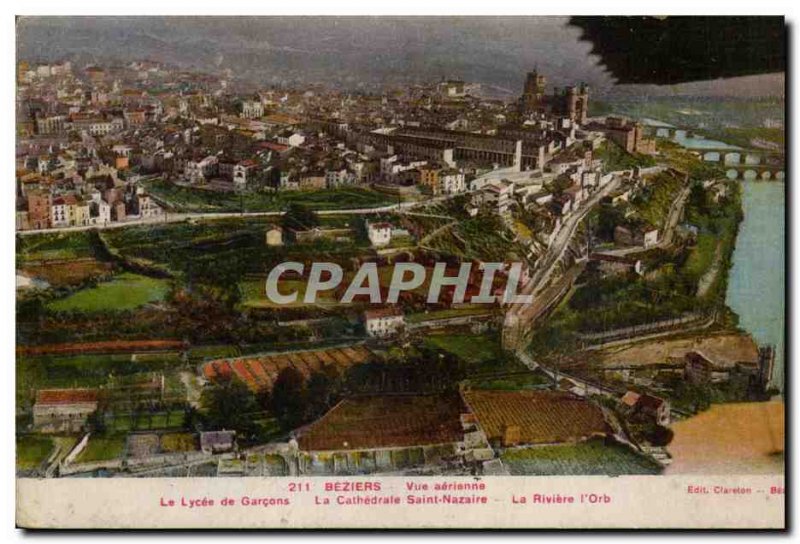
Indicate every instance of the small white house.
{"type": "Point", "coordinates": [380, 234]}
{"type": "Point", "coordinates": [384, 322]}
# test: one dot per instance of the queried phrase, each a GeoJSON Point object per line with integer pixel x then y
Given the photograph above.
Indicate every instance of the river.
{"type": "Point", "coordinates": [756, 282]}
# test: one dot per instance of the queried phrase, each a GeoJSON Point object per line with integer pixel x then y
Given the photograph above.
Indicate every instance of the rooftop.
{"type": "Point", "coordinates": [387, 421]}
{"type": "Point", "coordinates": [541, 416]}
{"type": "Point", "coordinates": [65, 396]}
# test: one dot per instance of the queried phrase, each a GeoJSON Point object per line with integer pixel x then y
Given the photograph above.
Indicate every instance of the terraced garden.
{"type": "Point", "coordinates": [124, 291]}
{"type": "Point", "coordinates": [590, 458]}
{"type": "Point", "coordinates": [186, 199]}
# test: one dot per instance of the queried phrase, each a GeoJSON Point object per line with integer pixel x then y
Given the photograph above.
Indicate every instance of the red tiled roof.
{"type": "Point", "coordinates": [382, 312]}
{"type": "Point", "coordinates": [542, 416]}
{"type": "Point", "coordinates": [388, 421]}
{"type": "Point", "coordinates": [66, 396]}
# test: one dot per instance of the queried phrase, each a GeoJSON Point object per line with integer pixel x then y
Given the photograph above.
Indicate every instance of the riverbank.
{"type": "Point", "coordinates": [755, 290]}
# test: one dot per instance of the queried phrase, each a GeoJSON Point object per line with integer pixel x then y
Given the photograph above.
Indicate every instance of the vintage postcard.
{"type": "Point", "coordinates": [400, 272]}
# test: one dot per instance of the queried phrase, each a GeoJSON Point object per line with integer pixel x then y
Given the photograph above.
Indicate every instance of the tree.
{"type": "Point", "coordinates": [96, 422]}
{"type": "Point", "coordinates": [658, 435]}
{"type": "Point", "coordinates": [322, 391]}
{"type": "Point", "coordinates": [191, 418]}
{"type": "Point", "coordinates": [288, 398]}
{"type": "Point", "coordinates": [299, 217]}
{"type": "Point", "coordinates": [229, 405]}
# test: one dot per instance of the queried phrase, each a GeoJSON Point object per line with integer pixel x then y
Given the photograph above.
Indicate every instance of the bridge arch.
{"type": "Point", "coordinates": [733, 158]}
{"type": "Point", "coordinates": [662, 132]}
{"type": "Point", "coordinates": [711, 156]}
{"type": "Point", "coordinates": [766, 175]}
{"type": "Point", "coordinates": [732, 173]}
{"type": "Point", "coordinates": [780, 175]}
{"type": "Point", "coordinates": [750, 175]}
{"type": "Point", "coordinates": [752, 159]}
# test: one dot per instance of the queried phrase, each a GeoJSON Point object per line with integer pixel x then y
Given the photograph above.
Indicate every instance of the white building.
{"type": "Point", "coordinates": [498, 195]}
{"type": "Point", "coordinates": [290, 138]}
{"type": "Point", "coordinates": [452, 182]}
{"type": "Point", "coordinates": [251, 109]}
{"type": "Point", "coordinates": [380, 234]}
{"type": "Point", "coordinates": [337, 178]}
{"type": "Point", "coordinates": [383, 322]}
{"type": "Point", "coordinates": [243, 173]}
{"type": "Point", "coordinates": [201, 170]}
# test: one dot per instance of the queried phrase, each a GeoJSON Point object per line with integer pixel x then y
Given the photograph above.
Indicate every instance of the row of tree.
{"type": "Point", "coordinates": [294, 400]}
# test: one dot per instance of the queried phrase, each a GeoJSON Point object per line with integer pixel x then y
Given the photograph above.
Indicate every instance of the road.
{"type": "Point", "coordinates": [179, 217]}
{"type": "Point", "coordinates": [555, 251]}
{"type": "Point", "coordinates": [675, 213]}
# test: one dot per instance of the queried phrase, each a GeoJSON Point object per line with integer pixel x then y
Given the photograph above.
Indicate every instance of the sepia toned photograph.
{"type": "Point", "coordinates": [351, 271]}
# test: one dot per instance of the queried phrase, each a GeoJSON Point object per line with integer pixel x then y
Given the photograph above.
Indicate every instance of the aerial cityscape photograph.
{"type": "Point", "coordinates": [399, 246]}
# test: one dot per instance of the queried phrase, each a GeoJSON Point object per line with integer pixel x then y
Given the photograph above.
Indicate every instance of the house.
{"type": "Point", "coordinates": [642, 235]}
{"type": "Point", "coordinates": [699, 369]}
{"type": "Point", "coordinates": [647, 407]}
{"type": "Point", "coordinates": [498, 195]}
{"type": "Point", "coordinates": [312, 181]}
{"type": "Point", "coordinates": [451, 182]}
{"type": "Point", "coordinates": [379, 234]}
{"type": "Point", "coordinates": [384, 322]}
{"type": "Point", "coordinates": [614, 265]}
{"type": "Point", "coordinates": [561, 205]}
{"type": "Point", "coordinates": [339, 177]}
{"type": "Point", "coordinates": [252, 109]}
{"type": "Point", "coordinates": [200, 170]}
{"type": "Point", "coordinates": [217, 441]}
{"type": "Point", "coordinates": [63, 410]}
{"type": "Point", "coordinates": [244, 172]}
{"type": "Point", "coordinates": [274, 236]}
{"type": "Point", "coordinates": [654, 408]}
{"type": "Point", "coordinates": [145, 207]}
{"type": "Point", "coordinates": [429, 177]}
{"type": "Point", "coordinates": [99, 212]}
{"type": "Point", "coordinates": [63, 211]}
{"type": "Point", "coordinates": [291, 138]}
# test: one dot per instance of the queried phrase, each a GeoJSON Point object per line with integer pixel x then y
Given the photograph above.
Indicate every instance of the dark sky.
{"type": "Point", "coordinates": [495, 51]}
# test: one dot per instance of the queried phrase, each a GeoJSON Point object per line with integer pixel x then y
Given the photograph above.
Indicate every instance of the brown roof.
{"type": "Point", "coordinates": [66, 396]}
{"type": "Point", "coordinates": [387, 421]}
{"type": "Point", "coordinates": [382, 312]}
{"type": "Point", "coordinates": [542, 416]}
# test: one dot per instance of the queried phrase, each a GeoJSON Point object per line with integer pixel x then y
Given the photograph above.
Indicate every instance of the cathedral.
{"type": "Point", "coordinates": [570, 102]}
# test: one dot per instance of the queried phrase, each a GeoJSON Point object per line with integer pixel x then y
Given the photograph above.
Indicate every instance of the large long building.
{"type": "Point", "coordinates": [449, 146]}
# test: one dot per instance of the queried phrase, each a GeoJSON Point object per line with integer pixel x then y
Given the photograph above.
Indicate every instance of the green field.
{"type": "Point", "coordinates": [701, 256]}
{"type": "Point", "coordinates": [655, 200]}
{"type": "Point", "coordinates": [472, 348]}
{"type": "Point", "coordinates": [146, 422]}
{"type": "Point", "coordinates": [174, 442]}
{"type": "Point", "coordinates": [47, 371]}
{"type": "Point", "coordinates": [482, 352]}
{"type": "Point", "coordinates": [32, 451]}
{"type": "Point", "coordinates": [254, 294]}
{"type": "Point", "coordinates": [125, 291]}
{"type": "Point", "coordinates": [476, 309]}
{"type": "Point", "coordinates": [513, 382]}
{"type": "Point", "coordinates": [55, 246]}
{"type": "Point", "coordinates": [591, 458]}
{"type": "Point", "coordinates": [224, 252]}
{"type": "Point", "coordinates": [201, 353]}
{"type": "Point", "coordinates": [103, 448]}
{"type": "Point", "coordinates": [615, 158]}
{"type": "Point", "coordinates": [187, 199]}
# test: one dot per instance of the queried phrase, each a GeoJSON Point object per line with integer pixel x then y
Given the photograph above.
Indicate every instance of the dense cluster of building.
{"type": "Point", "coordinates": [87, 137]}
